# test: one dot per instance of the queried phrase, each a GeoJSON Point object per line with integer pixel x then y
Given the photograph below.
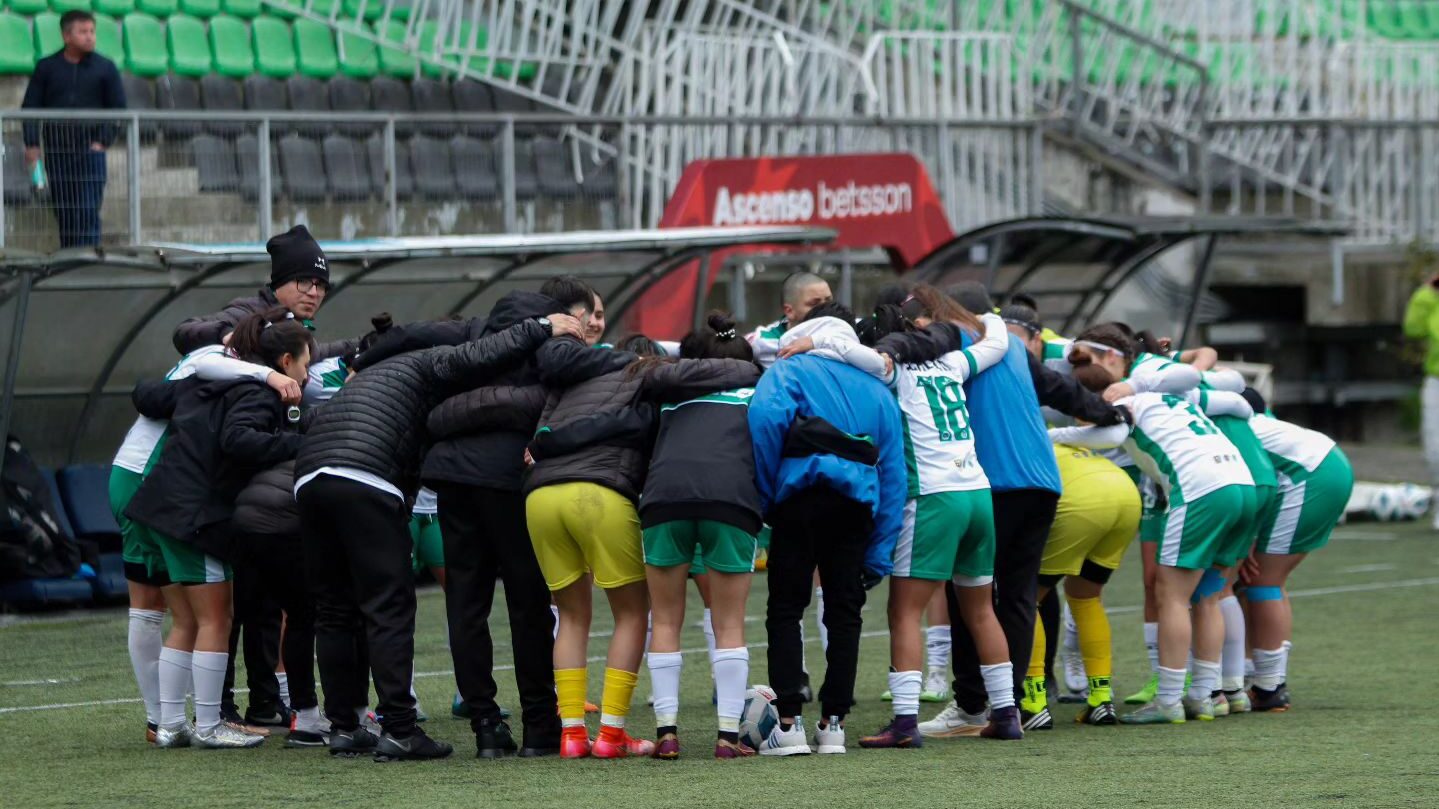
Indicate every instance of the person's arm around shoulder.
{"type": "Point", "coordinates": [683, 380]}
{"type": "Point", "coordinates": [210, 330]}
{"type": "Point", "coordinates": [219, 367]}
{"type": "Point", "coordinates": [467, 364]}
{"type": "Point", "coordinates": [1091, 437]}
{"type": "Point", "coordinates": [568, 362]}
{"type": "Point", "coordinates": [990, 350]}
{"type": "Point", "coordinates": [251, 431]}
{"type": "Point", "coordinates": [925, 345]}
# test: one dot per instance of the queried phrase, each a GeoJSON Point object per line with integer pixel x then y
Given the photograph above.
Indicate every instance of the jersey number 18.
{"type": "Point", "coordinates": [946, 404]}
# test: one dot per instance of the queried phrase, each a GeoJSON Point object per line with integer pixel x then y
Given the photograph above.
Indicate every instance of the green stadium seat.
{"type": "Point", "coordinates": [16, 55]}
{"type": "Point", "coordinates": [244, 9]}
{"type": "Point", "coordinates": [284, 9]}
{"type": "Point", "coordinates": [369, 10]}
{"type": "Point", "coordinates": [115, 8]}
{"type": "Point", "coordinates": [428, 30]}
{"type": "Point", "coordinates": [274, 50]}
{"type": "Point", "coordinates": [396, 61]}
{"type": "Point", "coordinates": [315, 49]}
{"type": "Point", "coordinates": [62, 6]}
{"type": "Point", "coordinates": [204, 9]}
{"type": "Point", "coordinates": [158, 8]}
{"type": "Point", "coordinates": [359, 57]}
{"type": "Point", "coordinates": [189, 46]}
{"type": "Point", "coordinates": [47, 34]}
{"type": "Point", "coordinates": [107, 38]}
{"type": "Point", "coordinates": [1383, 20]}
{"type": "Point", "coordinates": [145, 52]}
{"type": "Point", "coordinates": [28, 8]}
{"type": "Point", "coordinates": [320, 7]}
{"type": "Point", "coordinates": [230, 47]}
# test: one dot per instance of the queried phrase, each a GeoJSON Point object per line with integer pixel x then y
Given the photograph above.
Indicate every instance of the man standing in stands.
{"type": "Point", "coordinates": [74, 78]}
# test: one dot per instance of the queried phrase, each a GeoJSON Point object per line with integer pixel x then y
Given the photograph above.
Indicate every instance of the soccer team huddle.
{"type": "Point", "coordinates": [277, 496]}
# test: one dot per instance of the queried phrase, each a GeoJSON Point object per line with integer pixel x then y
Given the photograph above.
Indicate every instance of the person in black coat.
{"type": "Point", "coordinates": [74, 78]}
{"type": "Point", "coordinates": [356, 473]}
{"type": "Point", "coordinates": [220, 435]}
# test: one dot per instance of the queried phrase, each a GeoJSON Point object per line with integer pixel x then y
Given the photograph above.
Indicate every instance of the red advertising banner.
{"type": "Point", "coordinates": [870, 200]}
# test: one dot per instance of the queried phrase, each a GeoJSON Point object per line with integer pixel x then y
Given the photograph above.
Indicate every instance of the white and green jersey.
{"type": "Point", "coordinates": [1056, 354]}
{"type": "Point", "coordinates": [765, 342]}
{"type": "Point", "coordinates": [1152, 373]}
{"type": "Point", "coordinates": [1176, 444]}
{"type": "Point", "coordinates": [137, 451]}
{"type": "Point", "coordinates": [1296, 451]}
{"type": "Point", "coordinates": [326, 379]}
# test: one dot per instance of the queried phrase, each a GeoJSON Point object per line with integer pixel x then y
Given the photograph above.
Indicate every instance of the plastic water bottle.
{"type": "Point", "coordinates": [37, 177]}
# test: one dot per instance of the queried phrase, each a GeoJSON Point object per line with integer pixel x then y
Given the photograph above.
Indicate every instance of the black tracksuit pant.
{"type": "Point", "coordinates": [816, 528]}
{"type": "Point", "coordinates": [1022, 519]}
{"type": "Point", "coordinates": [357, 555]}
{"type": "Point", "coordinates": [270, 580]}
{"type": "Point", "coordinates": [486, 540]}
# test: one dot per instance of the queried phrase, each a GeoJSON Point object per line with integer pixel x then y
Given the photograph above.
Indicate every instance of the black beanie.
{"type": "Point", "coordinates": [295, 254]}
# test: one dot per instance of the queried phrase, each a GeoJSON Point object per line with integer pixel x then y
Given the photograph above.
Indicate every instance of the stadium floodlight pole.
{"type": "Point", "coordinates": [132, 158]}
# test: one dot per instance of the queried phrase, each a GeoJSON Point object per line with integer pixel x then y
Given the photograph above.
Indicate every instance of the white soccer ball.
{"type": "Point", "coordinates": [759, 716]}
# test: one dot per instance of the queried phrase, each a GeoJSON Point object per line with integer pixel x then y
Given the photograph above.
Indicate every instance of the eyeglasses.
{"type": "Point", "coordinates": [305, 285]}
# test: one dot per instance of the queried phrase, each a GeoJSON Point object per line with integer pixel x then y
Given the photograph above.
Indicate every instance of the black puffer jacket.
{"type": "Point", "coordinates": [480, 435]}
{"type": "Point", "coordinates": [376, 423]}
{"type": "Point", "coordinates": [621, 465]}
{"type": "Point", "coordinates": [267, 504]}
{"type": "Point", "coordinates": [209, 330]}
{"type": "Point", "coordinates": [703, 463]}
{"type": "Point", "coordinates": [221, 434]}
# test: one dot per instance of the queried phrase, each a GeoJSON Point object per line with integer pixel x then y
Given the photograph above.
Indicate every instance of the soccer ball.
{"type": "Point", "coordinates": [759, 716]}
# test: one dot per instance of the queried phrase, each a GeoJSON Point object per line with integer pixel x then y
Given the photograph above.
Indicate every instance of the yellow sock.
{"type": "Point", "coordinates": [1094, 646]}
{"type": "Point", "coordinates": [1036, 657]}
{"type": "Point", "coordinates": [615, 702]}
{"type": "Point", "coordinates": [570, 692]}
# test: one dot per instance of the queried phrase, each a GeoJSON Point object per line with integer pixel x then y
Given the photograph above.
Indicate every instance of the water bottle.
{"type": "Point", "coordinates": [37, 177]}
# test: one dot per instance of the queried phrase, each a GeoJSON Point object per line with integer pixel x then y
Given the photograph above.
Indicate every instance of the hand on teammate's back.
{"type": "Point", "coordinates": [561, 325]}
{"type": "Point", "coordinates": [799, 346]}
{"type": "Point", "coordinates": [1118, 391]}
{"type": "Point", "coordinates": [288, 388]}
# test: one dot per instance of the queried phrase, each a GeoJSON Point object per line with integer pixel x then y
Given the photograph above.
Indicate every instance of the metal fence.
{"type": "Point", "coordinates": [240, 176]}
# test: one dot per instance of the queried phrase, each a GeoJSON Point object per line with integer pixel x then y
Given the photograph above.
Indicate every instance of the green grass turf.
{"type": "Point", "coordinates": [1360, 734]}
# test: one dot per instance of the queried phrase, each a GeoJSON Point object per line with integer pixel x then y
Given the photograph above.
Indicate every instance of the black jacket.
{"type": "Point", "coordinates": [480, 434]}
{"type": "Point", "coordinates": [1055, 390]}
{"type": "Point", "coordinates": [210, 330]}
{"type": "Point", "coordinates": [376, 423]}
{"type": "Point", "coordinates": [93, 83]}
{"type": "Point", "coordinates": [266, 505]}
{"type": "Point", "coordinates": [702, 467]}
{"type": "Point", "coordinates": [621, 465]}
{"type": "Point", "coordinates": [426, 334]}
{"type": "Point", "coordinates": [221, 434]}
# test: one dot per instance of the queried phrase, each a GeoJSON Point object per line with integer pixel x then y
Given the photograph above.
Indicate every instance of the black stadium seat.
{"type": "Point", "coordinates": [600, 180]}
{"type": "Point", "coordinates": [220, 94]}
{"type": "Point", "coordinates": [309, 95]}
{"type": "Point", "coordinates": [178, 93]}
{"type": "Point", "coordinates": [391, 95]}
{"type": "Point", "coordinates": [474, 98]}
{"type": "Point", "coordinates": [85, 490]}
{"type": "Point", "coordinates": [215, 163]}
{"type": "Point", "coordinates": [17, 178]}
{"type": "Point", "coordinates": [527, 183]}
{"type": "Point", "coordinates": [349, 95]}
{"type": "Point", "coordinates": [433, 96]}
{"type": "Point", "coordinates": [140, 95]}
{"type": "Point", "coordinates": [347, 167]}
{"type": "Point", "coordinates": [247, 151]}
{"type": "Point", "coordinates": [264, 94]}
{"type": "Point", "coordinates": [555, 169]}
{"type": "Point", "coordinates": [475, 173]}
{"type": "Point", "coordinates": [404, 177]}
{"type": "Point", "coordinates": [434, 171]}
{"type": "Point", "coordinates": [303, 167]}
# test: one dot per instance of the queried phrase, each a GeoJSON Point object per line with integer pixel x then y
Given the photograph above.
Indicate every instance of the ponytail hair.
{"type": "Point", "coordinates": [718, 339]}
{"type": "Point", "coordinates": [266, 337]}
{"type": "Point", "coordinates": [928, 301]}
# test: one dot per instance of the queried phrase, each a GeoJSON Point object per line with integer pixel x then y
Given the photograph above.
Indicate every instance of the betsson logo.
{"type": "Point", "coordinates": [798, 205]}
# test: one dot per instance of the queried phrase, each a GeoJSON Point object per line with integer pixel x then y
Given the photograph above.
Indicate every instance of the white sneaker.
{"type": "Point", "coordinates": [829, 738]}
{"type": "Point", "coordinates": [953, 723]}
{"type": "Point", "coordinates": [936, 687]}
{"type": "Point", "coordinates": [1076, 679]}
{"type": "Point", "coordinates": [226, 736]}
{"type": "Point", "coordinates": [781, 742]}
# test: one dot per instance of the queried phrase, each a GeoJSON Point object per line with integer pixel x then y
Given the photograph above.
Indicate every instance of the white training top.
{"type": "Point", "coordinates": [1291, 443]}
{"type": "Point", "coordinates": [426, 502]}
{"type": "Point", "coordinates": [1173, 442]}
{"type": "Point", "coordinates": [207, 362]}
{"type": "Point", "coordinates": [939, 443]}
{"type": "Point", "coordinates": [326, 379]}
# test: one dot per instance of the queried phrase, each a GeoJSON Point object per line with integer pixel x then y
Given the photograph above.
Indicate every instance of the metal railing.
{"type": "Point", "coordinates": [240, 176]}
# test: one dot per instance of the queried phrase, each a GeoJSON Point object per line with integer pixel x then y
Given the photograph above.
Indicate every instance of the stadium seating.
{"type": "Point", "coordinates": [85, 490]}
{"type": "Point", "coordinates": [220, 94]}
{"type": "Point", "coordinates": [404, 174]}
{"type": "Point", "coordinates": [178, 93]}
{"type": "Point", "coordinates": [189, 46]}
{"type": "Point", "coordinates": [17, 180]}
{"type": "Point", "coordinates": [303, 168]}
{"type": "Point", "coordinates": [315, 49]}
{"type": "Point", "coordinates": [114, 8]}
{"type": "Point", "coordinates": [230, 44]}
{"type": "Point", "coordinates": [16, 55]}
{"type": "Point", "coordinates": [46, 28]}
{"type": "Point", "coordinates": [309, 95]}
{"type": "Point", "coordinates": [215, 164]}
{"type": "Point", "coordinates": [347, 167]}
{"type": "Point", "coordinates": [145, 51]}
{"type": "Point", "coordinates": [274, 50]}
{"type": "Point", "coordinates": [434, 168]}
{"type": "Point", "coordinates": [476, 177]}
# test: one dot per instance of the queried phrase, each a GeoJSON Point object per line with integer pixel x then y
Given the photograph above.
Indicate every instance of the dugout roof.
{"type": "Point", "coordinates": [78, 327]}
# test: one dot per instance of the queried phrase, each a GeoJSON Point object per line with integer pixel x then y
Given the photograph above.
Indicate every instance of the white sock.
{"type": "Point", "coordinates": [904, 686]}
{"type": "Point", "coordinates": [819, 619]}
{"type": "Point", "coordinates": [1269, 668]}
{"type": "Point", "coordinates": [610, 720]}
{"type": "Point", "coordinates": [208, 669]}
{"type": "Point", "coordinates": [665, 682]}
{"type": "Point", "coordinates": [709, 629]}
{"type": "Point", "coordinates": [936, 649]}
{"type": "Point", "coordinates": [173, 669]}
{"type": "Point", "coordinates": [284, 686]}
{"type": "Point", "coordinates": [1171, 686]}
{"type": "Point", "coordinates": [1206, 679]}
{"type": "Point", "coordinates": [555, 611]}
{"type": "Point", "coordinates": [999, 684]}
{"type": "Point", "coordinates": [308, 720]}
{"type": "Point", "coordinates": [649, 629]}
{"type": "Point", "coordinates": [731, 674]}
{"type": "Point", "coordinates": [1232, 676]}
{"type": "Point", "coordinates": [1151, 645]}
{"type": "Point", "coordinates": [146, 640]}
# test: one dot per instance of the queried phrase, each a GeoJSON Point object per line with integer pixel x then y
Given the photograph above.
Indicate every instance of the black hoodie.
{"type": "Point", "coordinates": [220, 435]}
{"type": "Point", "coordinates": [480, 435]}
